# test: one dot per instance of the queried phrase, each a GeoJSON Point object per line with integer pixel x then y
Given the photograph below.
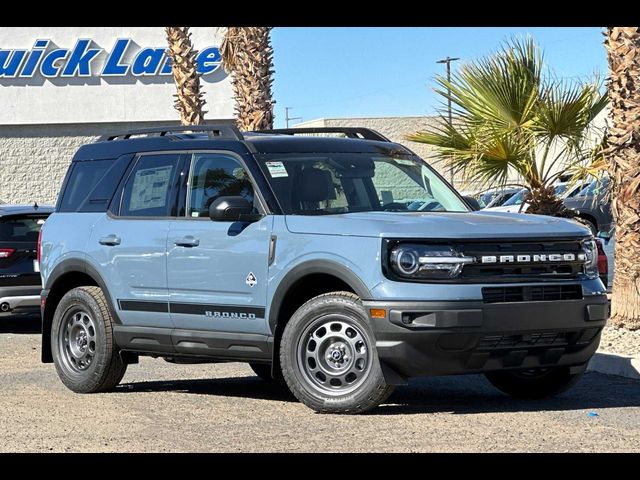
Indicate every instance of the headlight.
{"type": "Point", "coordinates": [409, 260]}
{"type": "Point", "coordinates": [591, 263]}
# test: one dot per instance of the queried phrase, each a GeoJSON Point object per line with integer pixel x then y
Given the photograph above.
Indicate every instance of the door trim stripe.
{"type": "Point", "coordinates": [144, 306]}
{"type": "Point", "coordinates": [208, 310]}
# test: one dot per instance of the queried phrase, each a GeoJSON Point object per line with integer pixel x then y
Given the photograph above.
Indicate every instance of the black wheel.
{"type": "Point", "coordinates": [263, 370]}
{"type": "Point", "coordinates": [84, 351]}
{"type": "Point", "coordinates": [534, 383]}
{"type": "Point", "coordinates": [329, 358]}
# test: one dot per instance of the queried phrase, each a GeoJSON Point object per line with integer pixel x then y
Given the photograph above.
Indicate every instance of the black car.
{"type": "Point", "coordinates": [593, 206]}
{"type": "Point", "coordinates": [20, 283]}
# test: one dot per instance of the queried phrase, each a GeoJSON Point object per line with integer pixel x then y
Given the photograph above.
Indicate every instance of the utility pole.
{"type": "Point", "coordinates": [287, 117]}
{"type": "Point", "coordinates": [448, 61]}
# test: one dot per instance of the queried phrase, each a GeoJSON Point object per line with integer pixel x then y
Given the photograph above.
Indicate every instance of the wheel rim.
{"type": "Point", "coordinates": [334, 355]}
{"type": "Point", "coordinates": [77, 341]}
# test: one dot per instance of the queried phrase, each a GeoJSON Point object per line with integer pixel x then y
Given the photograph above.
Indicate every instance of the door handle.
{"type": "Point", "coordinates": [188, 241]}
{"type": "Point", "coordinates": [110, 240]}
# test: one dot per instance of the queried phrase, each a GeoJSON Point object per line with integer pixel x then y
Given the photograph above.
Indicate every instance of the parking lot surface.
{"type": "Point", "coordinates": [161, 407]}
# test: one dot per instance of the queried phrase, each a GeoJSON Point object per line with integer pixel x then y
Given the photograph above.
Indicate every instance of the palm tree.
{"type": "Point", "coordinates": [623, 48]}
{"type": "Point", "coordinates": [248, 56]}
{"type": "Point", "coordinates": [189, 102]}
{"type": "Point", "coordinates": [507, 119]}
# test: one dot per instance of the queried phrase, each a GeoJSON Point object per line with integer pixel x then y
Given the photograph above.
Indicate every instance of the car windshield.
{"type": "Point", "coordinates": [560, 189]}
{"type": "Point", "coordinates": [334, 183]}
{"type": "Point", "coordinates": [517, 199]}
{"type": "Point", "coordinates": [594, 188]}
{"type": "Point", "coordinates": [486, 198]}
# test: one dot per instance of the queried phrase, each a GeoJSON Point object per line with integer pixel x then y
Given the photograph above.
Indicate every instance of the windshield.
{"type": "Point", "coordinates": [334, 183]}
{"type": "Point", "coordinates": [560, 189]}
{"type": "Point", "coordinates": [517, 199]}
{"type": "Point", "coordinates": [594, 188]}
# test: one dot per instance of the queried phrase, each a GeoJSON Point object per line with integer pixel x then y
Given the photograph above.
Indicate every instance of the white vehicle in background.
{"type": "Point", "coordinates": [515, 203]}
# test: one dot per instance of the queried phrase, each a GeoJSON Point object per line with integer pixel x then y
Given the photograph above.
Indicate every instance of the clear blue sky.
{"type": "Point", "coordinates": [348, 72]}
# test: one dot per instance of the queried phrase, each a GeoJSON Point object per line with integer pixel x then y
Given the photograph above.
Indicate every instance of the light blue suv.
{"type": "Point", "coordinates": [297, 252]}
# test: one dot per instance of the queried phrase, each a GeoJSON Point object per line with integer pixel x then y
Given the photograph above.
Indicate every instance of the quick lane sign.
{"type": "Point", "coordinates": [86, 59]}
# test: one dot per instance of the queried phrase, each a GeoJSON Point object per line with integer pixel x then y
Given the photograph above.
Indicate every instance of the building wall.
{"type": "Point", "coordinates": [34, 158]}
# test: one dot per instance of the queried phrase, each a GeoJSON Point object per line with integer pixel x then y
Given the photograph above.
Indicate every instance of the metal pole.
{"type": "Point", "coordinates": [448, 61]}
{"type": "Point", "coordinates": [287, 117]}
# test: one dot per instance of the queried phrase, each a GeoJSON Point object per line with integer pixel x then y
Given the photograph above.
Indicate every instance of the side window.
{"type": "Point", "coordinates": [215, 175]}
{"type": "Point", "coordinates": [147, 192]}
{"type": "Point", "coordinates": [83, 178]}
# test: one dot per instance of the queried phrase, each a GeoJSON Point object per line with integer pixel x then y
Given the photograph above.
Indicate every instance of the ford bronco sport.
{"type": "Point", "coordinates": [297, 252]}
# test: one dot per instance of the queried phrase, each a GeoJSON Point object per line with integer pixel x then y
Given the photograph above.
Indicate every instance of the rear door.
{"type": "Point", "coordinates": [130, 245]}
{"type": "Point", "coordinates": [18, 249]}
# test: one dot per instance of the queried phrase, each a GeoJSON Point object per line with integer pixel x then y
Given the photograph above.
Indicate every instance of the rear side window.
{"type": "Point", "coordinates": [91, 184]}
{"type": "Point", "coordinates": [20, 229]}
{"type": "Point", "coordinates": [147, 192]}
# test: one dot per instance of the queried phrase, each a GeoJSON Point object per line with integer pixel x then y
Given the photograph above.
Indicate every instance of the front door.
{"type": "Point", "coordinates": [217, 271]}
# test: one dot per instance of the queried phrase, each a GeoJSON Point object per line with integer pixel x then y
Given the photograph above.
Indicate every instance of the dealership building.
{"type": "Point", "coordinates": [61, 87]}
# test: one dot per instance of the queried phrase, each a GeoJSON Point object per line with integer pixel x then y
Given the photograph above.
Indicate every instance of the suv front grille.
{"type": "Point", "coordinates": [520, 271]}
{"type": "Point", "coordinates": [538, 293]}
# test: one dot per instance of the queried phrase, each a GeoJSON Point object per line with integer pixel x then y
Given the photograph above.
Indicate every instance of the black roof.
{"type": "Point", "coordinates": [226, 138]}
{"type": "Point", "coordinates": [6, 210]}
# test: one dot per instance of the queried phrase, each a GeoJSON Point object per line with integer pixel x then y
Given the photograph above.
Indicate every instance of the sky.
{"type": "Point", "coordinates": [376, 72]}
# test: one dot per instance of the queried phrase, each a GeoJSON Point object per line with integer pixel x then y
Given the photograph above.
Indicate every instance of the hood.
{"type": "Point", "coordinates": [481, 224]}
{"type": "Point", "coordinates": [507, 209]}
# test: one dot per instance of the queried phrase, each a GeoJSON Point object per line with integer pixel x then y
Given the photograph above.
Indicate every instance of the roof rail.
{"type": "Point", "coordinates": [349, 132]}
{"type": "Point", "coordinates": [214, 131]}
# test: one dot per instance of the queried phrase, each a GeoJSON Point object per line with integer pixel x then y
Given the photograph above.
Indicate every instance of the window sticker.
{"type": "Point", "coordinates": [276, 169]}
{"type": "Point", "coordinates": [150, 187]}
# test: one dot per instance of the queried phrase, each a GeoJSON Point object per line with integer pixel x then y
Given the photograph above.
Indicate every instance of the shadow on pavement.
{"type": "Point", "coordinates": [466, 394]}
{"type": "Point", "coordinates": [27, 323]}
{"type": "Point", "coordinates": [242, 387]}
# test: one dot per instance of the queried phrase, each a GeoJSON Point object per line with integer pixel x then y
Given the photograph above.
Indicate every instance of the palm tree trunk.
{"type": "Point", "coordinates": [248, 56]}
{"type": "Point", "coordinates": [623, 47]}
{"type": "Point", "coordinates": [189, 102]}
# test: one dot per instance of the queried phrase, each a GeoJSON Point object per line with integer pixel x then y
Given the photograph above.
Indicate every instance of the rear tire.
{"type": "Point", "coordinates": [534, 383]}
{"type": "Point", "coordinates": [84, 351]}
{"type": "Point", "coordinates": [329, 358]}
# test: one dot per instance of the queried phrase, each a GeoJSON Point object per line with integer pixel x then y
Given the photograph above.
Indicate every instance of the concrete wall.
{"type": "Point", "coordinates": [34, 158]}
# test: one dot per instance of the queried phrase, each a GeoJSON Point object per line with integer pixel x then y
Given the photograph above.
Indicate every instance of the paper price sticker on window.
{"type": "Point", "coordinates": [276, 169]}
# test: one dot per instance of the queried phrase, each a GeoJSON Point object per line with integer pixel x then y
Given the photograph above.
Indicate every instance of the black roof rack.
{"type": "Point", "coordinates": [214, 131]}
{"type": "Point", "coordinates": [349, 132]}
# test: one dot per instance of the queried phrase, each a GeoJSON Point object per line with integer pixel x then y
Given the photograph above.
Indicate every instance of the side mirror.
{"type": "Point", "coordinates": [473, 203]}
{"type": "Point", "coordinates": [232, 209]}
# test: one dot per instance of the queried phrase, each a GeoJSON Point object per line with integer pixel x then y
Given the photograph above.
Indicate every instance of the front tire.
{"type": "Point", "coordinates": [329, 358]}
{"type": "Point", "coordinates": [534, 383]}
{"type": "Point", "coordinates": [262, 370]}
{"type": "Point", "coordinates": [84, 351]}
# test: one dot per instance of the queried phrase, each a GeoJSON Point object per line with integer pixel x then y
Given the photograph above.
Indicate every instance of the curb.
{"type": "Point", "coordinates": [614, 364]}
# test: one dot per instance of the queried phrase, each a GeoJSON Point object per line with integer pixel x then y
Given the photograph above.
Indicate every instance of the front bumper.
{"type": "Point", "coordinates": [455, 337]}
{"type": "Point", "coordinates": [21, 299]}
